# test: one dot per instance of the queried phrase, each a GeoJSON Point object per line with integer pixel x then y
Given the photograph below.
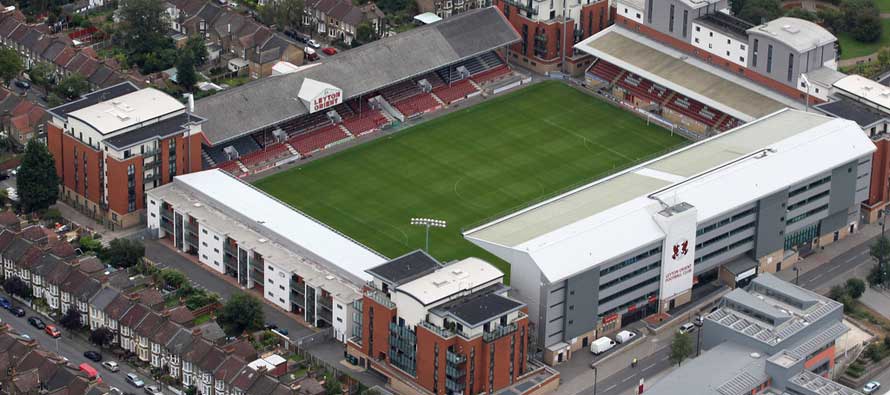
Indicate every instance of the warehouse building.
{"type": "Point", "coordinates": [295, 261]}
{"type": "Point", "coordinates": [748, 201]}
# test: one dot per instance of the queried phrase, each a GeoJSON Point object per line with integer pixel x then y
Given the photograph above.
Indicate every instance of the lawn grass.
{"type": "Point", "coordinates": [883, 5]}
{"type": "Point", "coordinates": [851, 48]}
{"type": "Point", "coordinates": [468, 166]}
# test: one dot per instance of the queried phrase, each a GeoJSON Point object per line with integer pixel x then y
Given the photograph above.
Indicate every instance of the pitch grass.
{"type": "Point", "coordinates": [468, 166]}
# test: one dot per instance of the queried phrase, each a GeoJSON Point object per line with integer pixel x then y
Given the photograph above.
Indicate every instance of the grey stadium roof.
{"type": "Point", "coordinates": [268, 101]}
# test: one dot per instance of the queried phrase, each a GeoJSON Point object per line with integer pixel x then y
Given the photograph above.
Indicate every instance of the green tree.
{"type": "Point", "coordinates": [201, 298]}
{"type": "Point", "coordinates": [286, 14]}
{"type": "Point", "coordinates": [71, 319]}
{"type": "Point", "coordinates": [884, 57]}
{"type": "Point", "coordinates": [89, 244]}
{"type": "Point", "coordinates": [855, 287]}
{"type": "Point", "coordinates": [880, 251]}
{"type": "Point", "coordinates": [681, 347]}
{"type": "Point", "coordinates": [186, 76]}
{"type": "Point", "coordinates": [101, 336]}
{"type": "Point", "coordinates": [42, 75]}
{"type": "Point", "coordinates": [15, 286]}
{"type": "Point", "coordinates": [123, 253]}
{"type": "Point", "coordinates": [862, 19]}
{"type": "Point", "coordinates": [143, 34]}
{"type": "Point", "coordinates": [760, 11]}
{"type": "Point", "coordinates": [173, 278]}
{"type": "Point", "coordinates": [241, 313]}
{"type": "Point", "coordinates": [191, 390]}
{"type": "Point", "coordinates": [802, 14]}
{"type": "Point", "coordinates": [10, 65]}
{"type": "Point", "coordinates": [72, 87]}
{"type": "Point", "coordinates": [364, 33]}
{"type": "Point", "coordinates": [196, 47]}
{"type": "Point", "coordinates": [735, 6]}
{"type": "Point", "coordinates": [37, 182]}
{"type": "Point", "coordinates": [332, 386]}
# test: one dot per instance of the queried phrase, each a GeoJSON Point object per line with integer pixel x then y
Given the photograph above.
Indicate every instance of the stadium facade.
{"type": "Point", "coordinates": [297, 263]}
{"type": "Point", "coordinates": [748, 201]}
{"type": "Point", "coordinates": [114, 144]}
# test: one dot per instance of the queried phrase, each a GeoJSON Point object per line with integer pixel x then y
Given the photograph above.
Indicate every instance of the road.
{"type": "Point", "coordinates": [71, 348]}
{"type": "Point", "coordinates": [203, 278]}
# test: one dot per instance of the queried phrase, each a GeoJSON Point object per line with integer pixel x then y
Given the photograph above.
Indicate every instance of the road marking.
{"type": "Point", "coordinates": [851, 259]}
{"type": "Point", "coordinates": [816, 277]}
{"type": "Point", "coordinates": [611, 387]}
{"type": "Point", "coordinates": [666, 358]}
{"type": "Point", "coordinates": [628, 378]}
{"type": "Point", "coordinates": [648, 367]}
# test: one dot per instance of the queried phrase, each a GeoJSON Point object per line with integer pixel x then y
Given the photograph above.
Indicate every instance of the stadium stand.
{"type": "Point", "coordinates": [246, 117]}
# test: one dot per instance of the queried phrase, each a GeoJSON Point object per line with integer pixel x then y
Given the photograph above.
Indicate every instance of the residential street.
{"type": "Point", "coordinates": [71, 348]}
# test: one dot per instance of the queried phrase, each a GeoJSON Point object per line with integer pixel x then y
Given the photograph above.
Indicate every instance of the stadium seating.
{"type": "Point", "coordinates": [418, 104]}
{"type": "Point", "coordinates": [270, 153]}
{"type": "Point", "coordinates": [491, 74]}
{"type": "Point", "coordinates": [316, 140]}
{"type": "Point", "coordinates": [456, 91]}
{"type": "Point", "coordinates": [491, 60]}
{"type": "Point", "coordinates": [366, 122]}
{"type": "Point", "coordinates": [243, 145]}
{"type": "Point", "coordinates": [231, 167]}
{"type": "Point", "coordinates": [400, 91]}
{"type": "Point", "coordinates": [605, 71]}
{"type": "Point", "coordinates": [433, 79]}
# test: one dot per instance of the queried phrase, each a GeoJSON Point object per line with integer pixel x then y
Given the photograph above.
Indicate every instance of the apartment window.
{"type": "Point", "coordinates": [790, 65]}
{"type": "Point", "coordinates": [754, 53]}
{"type": "Point", "coordinates": [280, 286]}
{"type": "Point", "coordinates": [204, 231]}
{"type": "Point", "coordinates": [685, 21]}
{"type": "Point", "coordinates": [769, 58]}
{"type": "Point", "coordinates": [649, 10]}
{"type": "Point", "coordinates": [339, 319]}
{"type": "Point", "coordinates": [698, 28]}
{"type": "Point", "coordinates": [215, 237]}
{"type": "Point", "coordinates": [216, 250]}
{"type": "Point", "coordinates": [204, 244]}
{"type": "Point", "coordinates": [131, 169]}
{"type": "Point", "coordinates": [671, 23]}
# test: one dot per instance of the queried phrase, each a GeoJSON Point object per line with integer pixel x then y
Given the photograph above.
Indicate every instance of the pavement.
{"type": "Point", "coordinates": [72, 347]}
{"type": "Point", "coordinates": [83, 221]}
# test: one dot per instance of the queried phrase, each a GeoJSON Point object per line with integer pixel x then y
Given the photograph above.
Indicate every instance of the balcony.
{"type": "Point", "coordinates": [455, 373]}
{"type": "Point", "coordinates": [443, 333]}
{"type": "Point", "coordinates": [380, 298]}
{"type": "Point", "coordinates": [167, 213]}
{"type": "Point", "coordinates": [527, 7]}
{"type": "Point", "coordinates": [454, 385]}
{"type": "Point", "coordinates": [455, 358]}
{"type": "Point", "coordinates": [499, 332]}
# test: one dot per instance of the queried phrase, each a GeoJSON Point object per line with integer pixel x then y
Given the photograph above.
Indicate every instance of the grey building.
{"type": "Point", "coordinates": [748, 201]}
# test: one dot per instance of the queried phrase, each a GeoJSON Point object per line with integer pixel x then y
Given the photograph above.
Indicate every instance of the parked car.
{"type": "Point", "coordinates": [52, 331]}
{"type": "Point", "coordinates": [625, 336]}
{"type": "Point", "coordinates": [871, 386]}
{"type": "Point", "coordinates": [153, 390]}
{"type": "Point", "coordinates": [282, 331]}
{"type": "Point", "coordinates": [5, 303]}
{"type": "Point", "coordinates": [23, 84]}
{"type": "Point", "coordinates": [312, 43]}
{"type": "Point", "coordinates": [115, 391]}
{"type": "Point", "coordinates": [111, 366]}
{"type": "Point", "coordinates": [25, 336]}
{"type": "Point", "coordinates": [698, 321]}
{"type": "Point", "coordinates": [686, 328]}
{"type": "Point", "coordinates": [36, 322]}
{"type": "Point", "coordinates": [134, 380]}
{"type": "Point", "coordinates": [601, 345]}
{"type": "Point", "coordinates": [91, 372]}
{"type": "Point", "coordinates": [92, 356]}
{"type": "Point", "coordinates": [329, 51]}
{"type": "Point", "coordinates": [17, 311]}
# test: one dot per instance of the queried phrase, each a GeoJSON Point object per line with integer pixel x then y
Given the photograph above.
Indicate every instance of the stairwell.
{"type": "Point", "coordinates": [241, 166]}
{"type": "Point", "coordinates": [441, 103]}
{"type": "Point", "coordinates": [475, 85]}
{"type": "Point", "coordinates": [668, 99]}
{"type": "Point", "coordinates": [618, 77]}
{"type": "Point", "coordinates": [291, 149]}
{"type": "Point", "coordinates": [348, 133]}
{"type": "Point", "coordinates": [207, 158]}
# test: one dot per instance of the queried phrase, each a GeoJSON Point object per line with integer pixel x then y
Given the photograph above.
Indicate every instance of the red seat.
{"type": "Point", "coordinates": [317, 140]}
{"type": "Point", "coordinates": [456, 91]}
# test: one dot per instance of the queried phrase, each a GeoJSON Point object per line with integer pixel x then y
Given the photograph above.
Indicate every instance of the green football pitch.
{"type": "Point", "coordinates": [468, 166]}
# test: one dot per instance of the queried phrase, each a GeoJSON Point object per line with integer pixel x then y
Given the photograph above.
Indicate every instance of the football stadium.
{"type": "Point", "coordinates": [468, 166]}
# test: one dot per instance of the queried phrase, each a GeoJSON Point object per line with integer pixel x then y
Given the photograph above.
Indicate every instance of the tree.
{"type": "Point", "coordinates": [332, 386]}
{"type": "Point", "coordinates": [185, 72]}
{"type": "Point", "coordinates": [142, 33]}
{"type": "Point", "coordinates": [196, 47]}
{"type": "Point", "coordinates": [735, 6]}
{"type": "Point", "coordinates": [10, 65]}
{"type": "Point", "coordinates": [101, 336]}
{"type": "Point", "coordinates": [759, 11]}
{"type": "Point", "coordinates": [802, 14]}
{"type": "Point", "coordinates": [241, 313]}
{"type": "Point", "coordinates": [681, 347]}
{"type": "Point", "coordinates": [71, 319]}
{"type": "Point", "coordinates": [855, 287]}
{"type": "Point", "coordinates": [191, 390]}
{"type": "Point", "coordinates": [173, 278]}
{"type": "Point", "coordinates": [862, 19]}
{"type": "Point", "coordinates": [42, 75]}
{"type": "Point", "coordinates": [364, 33]}
{"type": "Point", "coordinates": [89, 244]}
{"type": "Point", "coordinates": [15, 286]}
{"type": "Point", "coordinates": [201, 298]}
{"type": "Point", "coordinates": [37, 182]}
{"type": "Point", "coordinates": [884, 57]}
{"type": "Point", "coordinates": [123, 253]}
{"type": "Point", "coordinates": [287, 14]}
{"type": "Point", "coordinates": [880, 250]}
{"type": "Point", "coordinates": [72, 87]}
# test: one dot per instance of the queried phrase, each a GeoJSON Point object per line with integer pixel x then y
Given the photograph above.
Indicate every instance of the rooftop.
{"type": "Point", "coordinates": [94, 97]}
{"type": "Point", "coordinates": [406, 267]}
{"type": "Point", "coordinates": [816, 384]}
{"type": "Point", "coordinates": [727, 24]}
{"type": "Point", "coordinates": [474, 309]}
{"type": "Point", "coordinates": [268, 101]}
{"type": "Point", "coordinates": [728, 368]}
{"type": "Point", "coordinates": [451, 279]}
{"type": "Point", "coordinates": [802, 35]}
{"type": "Point", "coordinates": [127, 110]}
{"type": "Point", "coordinates": [160, 129]}
{"type": "Point", "coordinates": [864, 115]}
{"type": "Point", "coordinates": [864, 89]}
{"type": "Point", "coordinates": [556, 234]}
{"type": "Point", "coordinates": [687, 75]}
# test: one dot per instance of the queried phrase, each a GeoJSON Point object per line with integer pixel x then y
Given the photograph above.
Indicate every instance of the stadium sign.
{"type": "Point", "coordinates": [678, 223]}
{"type": "Point", "coordinates": [318, 96]}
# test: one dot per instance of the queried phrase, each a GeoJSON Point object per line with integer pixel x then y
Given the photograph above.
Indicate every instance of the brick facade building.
{"type": "Point", "coordinates": [112, 145]}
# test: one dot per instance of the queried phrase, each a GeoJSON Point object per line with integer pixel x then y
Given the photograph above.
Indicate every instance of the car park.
{"type": "Point", "coordinates": [134, 380]}
{"type": "Point", "coordinates": [111, 366]}
{"type": "Point", "coordinates": [36, 322]}
{"type": "Point", "coordinates": [52, 331]}
{"type": "Point", "coordinates": [686, 328]}
{"type": "Point", "coordinates": [92, 356]}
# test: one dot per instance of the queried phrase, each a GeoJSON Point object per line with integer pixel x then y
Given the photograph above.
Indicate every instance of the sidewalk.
{"type": "Point", "coordinates": [863, 235]}
{"type": "Point", "coordinates": [86, 222]}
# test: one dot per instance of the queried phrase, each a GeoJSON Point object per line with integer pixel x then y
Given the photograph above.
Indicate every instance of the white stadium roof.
{"type": "Point", "coordinates": [610, 217]}
{"type": "Point", "coordinates": [127, 110]}
{"type": "Point", "coordinates": [285, 221]}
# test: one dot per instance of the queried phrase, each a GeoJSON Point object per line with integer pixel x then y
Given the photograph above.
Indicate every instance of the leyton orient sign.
{"type": "Point", "coordinates": [326, 99]}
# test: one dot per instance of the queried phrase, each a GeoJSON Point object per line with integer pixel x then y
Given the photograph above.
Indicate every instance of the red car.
{"type": "Point", "coordinates": [329, 51]}
{"type": "Point", "coordinates": [52, 331]}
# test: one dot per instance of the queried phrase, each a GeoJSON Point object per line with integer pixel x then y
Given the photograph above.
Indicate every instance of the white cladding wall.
{"type": "Point", "coordinates": [153, 216]}
{"type": "Point", "coordinates": [630, 12]}
{"type": "Point", "coordinates": [678, 252]}
{"type": "Point", "coordinates": [720, 44]}
{"type": "Point", "coordinates": [210, 248]}
{"type": "Point", "coordinates": [277, 285]}
{"type": "Point", "coordinates": [342, 317]}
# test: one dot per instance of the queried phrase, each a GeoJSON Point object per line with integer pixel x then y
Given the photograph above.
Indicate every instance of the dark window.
{"type": "Point", "coordinates": [790, 65]}
{"type": "Point", "coordinates": [685, 21]}
{"type": "Point", "coordinates": [769, 58]}
{"type": "Point", "coordinates": [671, 23]}
{"type": "Point", "coordinates": [754, 53]}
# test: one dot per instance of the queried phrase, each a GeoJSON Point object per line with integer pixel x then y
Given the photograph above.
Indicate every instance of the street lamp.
{"type": "Point", "coordinates": [428, 223]}
{"type": "Point", "coordinates": [796, 275]}
{"type": "Point", "coordinates": [806, 81]}
{"type": "Point", "coordinates": [594, 379]}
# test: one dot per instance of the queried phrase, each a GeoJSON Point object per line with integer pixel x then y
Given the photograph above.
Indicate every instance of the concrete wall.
{"type": "Point", "coordinates": [210, 248]}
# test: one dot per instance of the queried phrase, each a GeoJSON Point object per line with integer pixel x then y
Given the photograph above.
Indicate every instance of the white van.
{"type": "Point", "coordinates": [625, 336]}
{"type": "Point", "coordinates": [686, 328]}
{"type": "Point", "coordinates": [601, 345]}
